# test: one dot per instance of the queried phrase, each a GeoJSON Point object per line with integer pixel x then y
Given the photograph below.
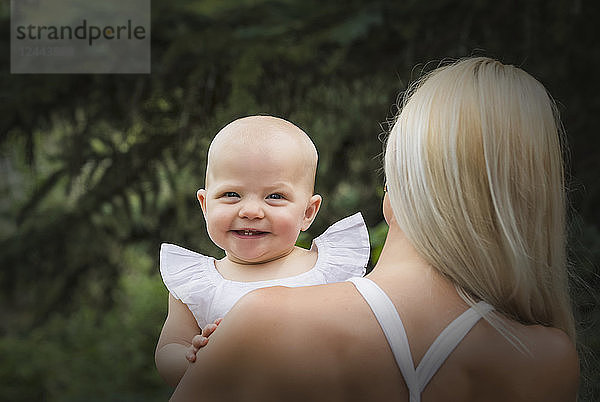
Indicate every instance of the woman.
{"type": "Point", "coordinates": [476, 230]}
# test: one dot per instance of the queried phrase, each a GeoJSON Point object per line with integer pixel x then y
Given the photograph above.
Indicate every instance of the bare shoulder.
{"type": "Point", "coordinates": [294, 311]}
{"type": "Point", "coordinates": [297, 300]}
{"type": "Point", "coordinates": [557, 355]}
{"type": "Point", "coordinates": [268, 346]}
{"type": "Point", "coordinates": [548, 370]}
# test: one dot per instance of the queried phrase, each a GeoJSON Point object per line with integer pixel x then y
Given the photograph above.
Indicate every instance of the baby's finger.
{"type": "Point", "coordinates": [190, 356]}
{"type": "Point", "coordinates": [196, 340]}
{"type": "Point", "coordinates": [218, 321]}
{"type": "Point", "coordinates": [199, 341]}
{"type": "Point", "coordinates": [209, 329]}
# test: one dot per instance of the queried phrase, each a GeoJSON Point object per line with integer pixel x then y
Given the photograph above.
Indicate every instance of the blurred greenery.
{"type": "Point", "coordinates": [98, 170]}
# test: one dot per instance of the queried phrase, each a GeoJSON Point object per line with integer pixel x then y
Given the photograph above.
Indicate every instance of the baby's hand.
{"type": "Point", "coordinates": [200, 340]}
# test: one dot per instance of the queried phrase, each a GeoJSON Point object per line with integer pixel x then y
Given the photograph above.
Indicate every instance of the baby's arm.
{"type": "Point", "coordinates": [180, 340]}
{"type": "Point", "coordinates": [175, 341]}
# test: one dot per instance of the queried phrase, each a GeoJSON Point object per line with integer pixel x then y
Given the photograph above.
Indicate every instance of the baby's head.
{"type": "Point", "coordinates": [259, 187]}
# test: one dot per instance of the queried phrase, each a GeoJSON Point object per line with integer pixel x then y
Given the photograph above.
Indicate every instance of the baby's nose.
{"type": "Point", "coordinates": [251, 209]}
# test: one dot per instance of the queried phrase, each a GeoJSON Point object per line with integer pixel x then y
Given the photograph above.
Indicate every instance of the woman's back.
{"type": "Point", "coordinates": [483, 366]}
{"type": "Point", "coordinates": [322, 352]}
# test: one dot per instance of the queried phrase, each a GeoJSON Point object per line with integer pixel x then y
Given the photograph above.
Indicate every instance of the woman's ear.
{"type": "Point", "coordinates": [388, 212]}
{"type": "Point", "coordinates": [311, 211]}
{"type": "Point", "coordinates": [201, 194]}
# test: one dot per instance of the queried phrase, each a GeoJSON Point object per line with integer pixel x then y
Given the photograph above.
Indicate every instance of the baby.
{"type": "Point", "coordinates": [259, 195]}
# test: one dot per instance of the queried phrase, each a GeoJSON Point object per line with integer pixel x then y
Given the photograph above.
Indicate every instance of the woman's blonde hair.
{"type": "Point", "coordinates": [475, 177]}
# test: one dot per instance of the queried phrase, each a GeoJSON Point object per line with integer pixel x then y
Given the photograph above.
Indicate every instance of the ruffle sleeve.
{"type": "Point", "coordinates": [188, 277]}
{"type": "Point", "coordinates": [344, 249]}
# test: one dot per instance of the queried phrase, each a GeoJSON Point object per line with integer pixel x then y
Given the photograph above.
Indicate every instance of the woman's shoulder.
{"type": "Point", "coordinates": [547, 349]}
{"type": "Point", "coordinates": [326, 313]}
{"type": "Point", "coordinates": [539, 362]}
{"type": "Point", "coordinates": [557, 360]}
{"type": "Point", "coordinates": [305, 300]}
{"type": "Point", "coordinates": [275, 334]}
{"type": "Point", "coordinates": [313, 326]}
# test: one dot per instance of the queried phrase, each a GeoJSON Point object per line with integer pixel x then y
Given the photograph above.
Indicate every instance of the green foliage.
{"type": "Point", "coordinates": [92, 354]}
{"type": "Point", "coordinates": [377, 238]}
{"type": "Point", "coordinates": [98, 170]}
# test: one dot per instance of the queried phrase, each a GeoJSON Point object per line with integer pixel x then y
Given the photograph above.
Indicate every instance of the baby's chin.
{"type": "Point", "coordinates": [257, 260]}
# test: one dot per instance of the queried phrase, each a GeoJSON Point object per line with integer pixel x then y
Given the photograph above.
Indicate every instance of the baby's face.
{"type": "Point", "coordinates": [257, 201]}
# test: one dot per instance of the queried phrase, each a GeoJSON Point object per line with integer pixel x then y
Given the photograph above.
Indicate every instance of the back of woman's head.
{"type": "Point", "coordinates": [475, 177]}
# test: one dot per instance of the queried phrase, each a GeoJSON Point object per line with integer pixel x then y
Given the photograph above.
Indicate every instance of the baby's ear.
{"type": "Point", "coordinates": [311, 211]}
{"type": "Point", "coordinates": [201, 194]}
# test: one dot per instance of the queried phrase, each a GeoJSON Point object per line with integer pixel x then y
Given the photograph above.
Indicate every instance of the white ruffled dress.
{"type": "Point", "coordinates": [343, 252]}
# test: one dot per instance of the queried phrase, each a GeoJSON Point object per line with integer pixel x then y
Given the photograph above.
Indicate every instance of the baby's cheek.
{"type": "Point", "coordinates": [216, 226]}
{"type": "Point", "coordinates": [214, 236]}
{"type": "Point", "coordinates": [290, 228]}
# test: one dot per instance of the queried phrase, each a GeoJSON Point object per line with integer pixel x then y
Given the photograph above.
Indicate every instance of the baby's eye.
{"type": "Point", "coordinates": [275, 196]}
{"type": "Point", "coordinates": [231, 194]}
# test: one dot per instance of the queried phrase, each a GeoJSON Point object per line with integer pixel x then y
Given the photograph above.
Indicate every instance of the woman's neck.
{"type": "Point", "coordinates": [398, 251]}
{"type": "Point", "coordinates": [400, 259]}
{"type": "Point", "coordinates": [401, 270]}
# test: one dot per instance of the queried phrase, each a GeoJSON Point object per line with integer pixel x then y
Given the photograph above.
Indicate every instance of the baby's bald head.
{"type": "Point", "coordinates": [269, 137]}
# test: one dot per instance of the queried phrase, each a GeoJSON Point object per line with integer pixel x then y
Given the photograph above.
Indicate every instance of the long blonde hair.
{"type": "Point", "coordinates": [475, 177]}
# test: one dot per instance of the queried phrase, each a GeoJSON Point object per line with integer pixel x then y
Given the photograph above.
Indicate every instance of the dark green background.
{"type": "Point", "coordinates": [98, 170]}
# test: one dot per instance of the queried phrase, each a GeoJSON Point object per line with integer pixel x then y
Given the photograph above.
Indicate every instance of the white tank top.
{"type": "Point", "coordinates": [391, 324]}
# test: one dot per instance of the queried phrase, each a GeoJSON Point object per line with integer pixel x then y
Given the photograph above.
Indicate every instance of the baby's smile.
{"type": "Point", "coordinates": [249, 232]}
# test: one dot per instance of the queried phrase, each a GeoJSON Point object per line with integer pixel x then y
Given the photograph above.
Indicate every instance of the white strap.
{"type": "Point", "coordinates": [447, 341]}
{"type": "Point", "coordinates": [392, 327]}
{"type": "Point", "coordinates": [391, 324]}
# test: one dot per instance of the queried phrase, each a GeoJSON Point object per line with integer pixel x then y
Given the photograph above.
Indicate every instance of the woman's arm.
{"type": "Point", "coordinates": [175, 341]}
